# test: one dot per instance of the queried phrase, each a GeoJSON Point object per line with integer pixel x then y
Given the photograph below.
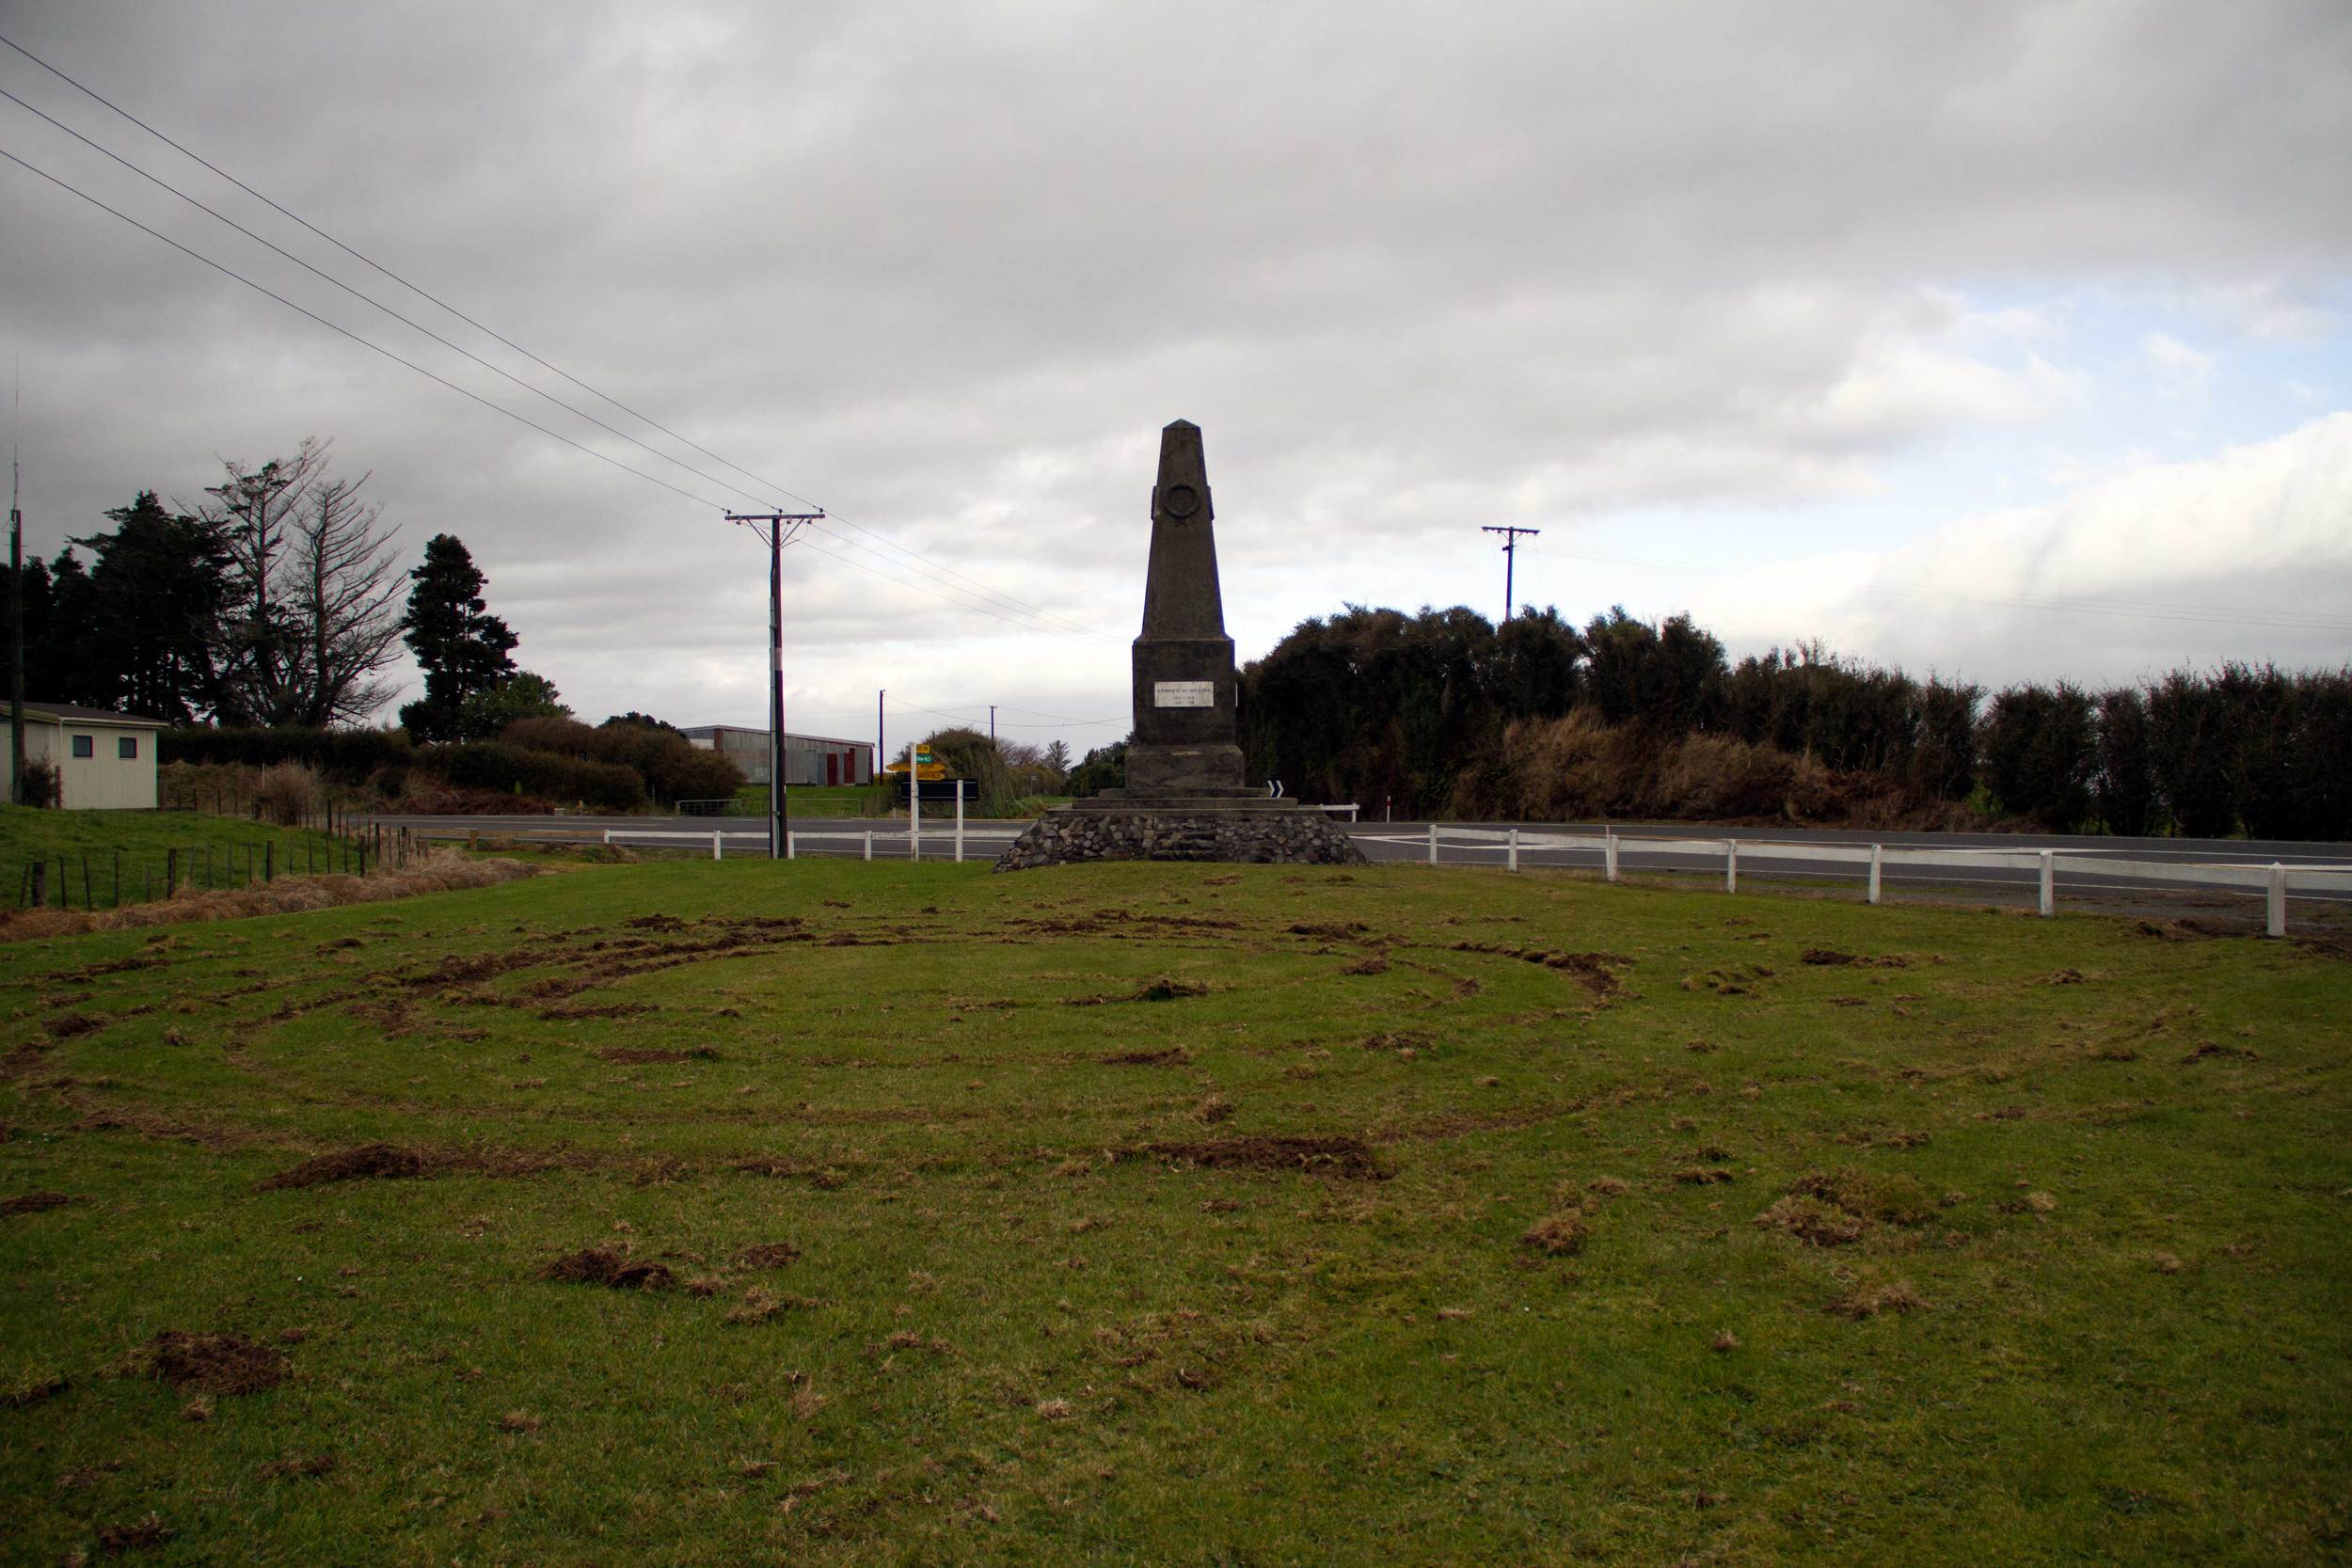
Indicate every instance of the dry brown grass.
{"type": "Point", "coordinates": [1559, 769]}
{"type": "Point", "coordinates": [437, 871]}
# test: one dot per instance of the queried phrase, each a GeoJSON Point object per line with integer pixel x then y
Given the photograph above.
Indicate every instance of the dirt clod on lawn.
{"type": "Point", "coordinates": [316, 1465]}
{"type": "Point", "coordinates": [1335, 1155]}
{"type": "Point", "coordinates": [636, 1054]}
{"type": "Point", "coordinates": [1814, 1222]}
{"type": "Point", "coordinates": [1175, 1055]}
{"type": "Point", "coordinates": [213, 1363]}
{"type": "Point", "coordinates": [1867, 1300]}
{"type": "Point", "coordinates": [1162, 990]}
{"type": "Point", "coordinates": [141, 1535]}
{"type": "Point", "coordinates": [1556, 1234]}
{"type": "Point", "coordinates": [369, 1162]}
{"type": "Point", "coordinates": [616, 1271]}
{"type": "Point", "coordinates": [33, 1203]}
{"type": "Point", "coordinates": [1830, 956]}
{"type": "Point", "coordinates": [766, 1254]}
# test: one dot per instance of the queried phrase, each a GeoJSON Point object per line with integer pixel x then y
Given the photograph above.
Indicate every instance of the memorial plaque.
{"type": "Point", "coordinates": [1184, 693]}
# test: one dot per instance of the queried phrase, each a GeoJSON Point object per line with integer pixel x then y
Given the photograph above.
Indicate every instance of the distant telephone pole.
{"type": "Point", "coordinates": [880, 751]}
{"type": "Point", "coordinates": [16, 623]}
{"type": "Point", "coordinates": [778, 822]}
{"type": "Point", "coordinates": [992, 723]}
{"type": "Point", "coordinates": [1510, 544]}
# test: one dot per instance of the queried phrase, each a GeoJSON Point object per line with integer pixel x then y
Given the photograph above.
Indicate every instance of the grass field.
{"type": "Point", "coordinates": [134, 846]}
{"type": "Point", "coordinates": [1138, 1213]}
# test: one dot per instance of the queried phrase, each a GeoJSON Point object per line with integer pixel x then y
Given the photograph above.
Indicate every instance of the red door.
{"type": "Point", "coordinates": [833, 767]}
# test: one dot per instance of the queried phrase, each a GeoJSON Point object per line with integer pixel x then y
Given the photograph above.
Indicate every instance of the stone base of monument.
{"type": "Point", "coordinates": [1242, 828]}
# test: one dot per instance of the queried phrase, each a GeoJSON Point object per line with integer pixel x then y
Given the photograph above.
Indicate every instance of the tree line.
{"type": "Point", "coordinates": [274, 602]}
{"type": "Point", "coordinates": [1384, 707]}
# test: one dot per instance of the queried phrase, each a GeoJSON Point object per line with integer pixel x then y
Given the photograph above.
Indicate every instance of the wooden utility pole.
{"type": "Point", "coordinates": [779, 823]}
{"type": "Point", "coordinates": [1510, 544]}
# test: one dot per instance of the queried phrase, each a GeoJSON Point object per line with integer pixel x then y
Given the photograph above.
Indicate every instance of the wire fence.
{"type": "Point", "coordinates": [116, 879]}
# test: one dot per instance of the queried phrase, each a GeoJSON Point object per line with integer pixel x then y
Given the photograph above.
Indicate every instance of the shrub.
{"type": "Point", "coordinates": [2037, 756]}
{"type": "Point", "coordinates": [671, 767]}
{"type": "Point", "coordinates": [287, 793]}
{"type": "Point", "coordinates": [43, 784]}
{"type": "Point", "coordinates": [348, 757]}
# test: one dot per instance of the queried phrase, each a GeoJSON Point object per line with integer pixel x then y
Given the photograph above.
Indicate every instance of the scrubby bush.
{"type": "Point", "coordinates": [671, 766]}
{"type": "Point", "coordinates": [348, 757]}
{"type": "Point", "coordinates": [2037, 744]}
{"type": "Point", "coordinates": [43, 784]}
{"type": "Point", "coordinates": [287, 793]}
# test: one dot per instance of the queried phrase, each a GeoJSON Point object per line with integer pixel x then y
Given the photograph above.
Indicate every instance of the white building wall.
{"type": "Point", "coordinates": [104, 781]}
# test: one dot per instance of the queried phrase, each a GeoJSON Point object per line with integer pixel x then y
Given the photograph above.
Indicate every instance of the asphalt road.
{"type": "Point", "coordinates": [1408, 842]}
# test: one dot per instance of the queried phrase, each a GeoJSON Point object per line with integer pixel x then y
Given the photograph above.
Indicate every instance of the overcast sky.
{"type": "Point", "coordinates": [2013, 342]}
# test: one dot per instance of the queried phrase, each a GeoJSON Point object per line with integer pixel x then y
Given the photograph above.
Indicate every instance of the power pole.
{"type": "Point", "coordinates": [779, 819]}
{"type": "Point", "coordinates": [1510, 542]}
{"type": "Point", "coordinates": [16, 621]}
{"type": "Point", "coordinates": [880, 693]}
{"type": "Point", "coordinates": [992, 723]}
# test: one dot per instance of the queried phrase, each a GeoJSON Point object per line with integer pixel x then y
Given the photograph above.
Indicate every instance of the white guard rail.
{"type": "Point", "coordinates": [2274, 880]}
{"type": "Point", "coordinates": [951, 841]}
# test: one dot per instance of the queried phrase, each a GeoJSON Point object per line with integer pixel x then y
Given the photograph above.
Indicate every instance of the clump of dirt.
{"type": "Point", "coordinates": [2064, 977]}
{"type": "Point", "coordinates": [1736, 980]}
{"type": "Point", "coordinates": [66, 1025]}
{"type": "Point", "coordinates": [141, 1535]}
{"type": "Point", "coordinates": [1557, 1234]}
{"type": "Point", "coordinates": [1330, 931]}
{"type": "Point", "coordinates": [1596, 972]}
{"type": "Point", "coordinates": [367, 1163]}
{"type": "Point", "coordinates": [316, 1465]}
{"type": "Point", "coordinates": [569, 1011]}
{"type": "Point", "coordinates": [212, 1363]}
{"type": "Point", "coordinates": [2208, 1049]}
{"type": "Point", "coordinates": [1887, 1195]}
{"type": "Point", "coordinates": [1162, 990]}
{"type": "Point", "coordinates": [766, 1254]}
{"type": "Point", "coordinates": [1214, 1109]}
{"type": "Point", "coordinates": [34, 1390]}
{"type": "Point", "coordinates": [1335, 1155]}
{"type": "Point", "coordinates": [1813, 1222]}
{"type": "Point", "coordinates": [656, 922]}
{"type": "Point", "coordinates": [1373, 965]}
{"type": "Point", "coordinates": [1703, 1175]}
{"type": "Point", "coordinates": [33, 1203]}
{"type": "Point", "coordinates": [1830, 956]}
{"type": "Point", "coordinates": [1867, 1300]}
{"type": "Point", "coordinates": [1175, 1055]}
{"type": "Point", "coordinates": [613, 1270]}
{"type": "Point", "coordinates": [635, 1055]}
{"type": "Point", "coordinates": [1396, 1042]}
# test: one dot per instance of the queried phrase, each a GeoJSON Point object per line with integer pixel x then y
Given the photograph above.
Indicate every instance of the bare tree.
{"type": "Point", "coordinates": [347, 590]}
{"type": "Point", "coordinates": [315, 583]}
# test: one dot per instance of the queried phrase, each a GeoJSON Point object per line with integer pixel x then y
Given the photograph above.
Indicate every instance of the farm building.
{"type": "Point", "coordinates": [104, 761]}
{"type": "Point", "coordinates": [808, 759]}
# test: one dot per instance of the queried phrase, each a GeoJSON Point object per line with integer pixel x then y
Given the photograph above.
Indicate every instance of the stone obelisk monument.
{"type": "Point", "coordinates": [1185, 799]}
{"type": "Point", "coordinates": [1185, 726]}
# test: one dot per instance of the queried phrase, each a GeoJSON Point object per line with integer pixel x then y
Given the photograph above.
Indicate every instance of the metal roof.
{"type": "Point", "coordinates": [76, 713]}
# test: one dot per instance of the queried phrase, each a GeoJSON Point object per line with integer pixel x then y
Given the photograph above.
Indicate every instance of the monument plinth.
{"type": "Point", "coordinates": [1185, 797]}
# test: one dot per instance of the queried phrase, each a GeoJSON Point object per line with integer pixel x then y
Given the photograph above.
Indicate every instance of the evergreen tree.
{"type": "Point", "coordinates": [464, 649]}
{"type": "Point", "coordinates": [158, 589]}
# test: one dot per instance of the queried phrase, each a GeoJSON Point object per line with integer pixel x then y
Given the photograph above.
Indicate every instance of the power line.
{"type": "Point", "coordinates": [364, 343]}
{"type": "Point", "coordinates": [944, 596]}
{"type": "Point", "coordinates": [1010, 601]}
{"type": "Point", "coordinates": [368, 299]}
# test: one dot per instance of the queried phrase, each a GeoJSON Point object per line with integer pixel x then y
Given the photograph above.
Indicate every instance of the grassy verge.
{"type": "Point", "coordinates": [1139, 1213]}
{"type": "Point", "coordinates": [103, 850]}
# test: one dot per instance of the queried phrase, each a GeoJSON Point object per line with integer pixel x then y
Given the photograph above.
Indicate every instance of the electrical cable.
{"type": "Point", "coordinates": [1009, 600]}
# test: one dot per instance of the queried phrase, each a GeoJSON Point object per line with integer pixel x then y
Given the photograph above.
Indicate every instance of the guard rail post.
{"type": "Point", "coordinates": [959, 821]}
{"type": "Point", "coordinates": [869, 844]}
{"type": "Point", "coordinates": [1731, 866]}
{"type": "Point", "coordinates": [716, 853]}
{"type": "Point", "coordinates": [1878, 855]}
{"type": "Point", "coordinates": [1433, 844]}
{"type": "Point", "coordinates": [790, 843]}
{"type": "Point", "coordinates": [1514, 852]}
{"type": "Point", "coordinates": [2049, 884]}
{"type": "Point", "coordinates": [1609, 853]}
{"type": "Point", "coordinates": [2276, 925]}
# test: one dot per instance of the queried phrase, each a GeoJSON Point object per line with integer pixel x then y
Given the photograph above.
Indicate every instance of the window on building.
{"type": "Point", "coordinates": [85, 745]}
{"type": "Point", "coordinates": [127, 747]}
